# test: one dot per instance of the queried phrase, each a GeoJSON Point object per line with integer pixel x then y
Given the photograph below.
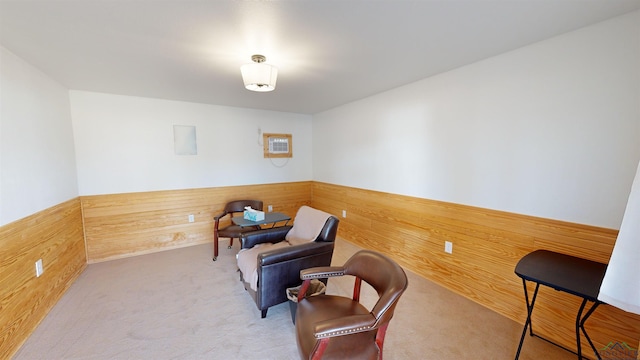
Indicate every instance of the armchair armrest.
{"type": "Point", "coordinates": [271, 235]}
{"type": "Point", "coordinates": [220, 216]}
{"type": "Point", "coordinates": [292, 252]}
{"type": "Point", "coordinates": [318, 272]}
{"type": "Point", "coordinates": [345, 325]}
{"type": "Point", "coordinates": [321, 272]}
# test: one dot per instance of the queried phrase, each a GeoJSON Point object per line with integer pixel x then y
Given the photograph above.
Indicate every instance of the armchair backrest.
{"type": "Point", "coordinates": [384, 275]}
{"type": "Point", "coordinates": [313, 225]}
{"type": "Point", "coordinates": [238, 205]}
{"type": "Point", "coordinates": [329, 231]}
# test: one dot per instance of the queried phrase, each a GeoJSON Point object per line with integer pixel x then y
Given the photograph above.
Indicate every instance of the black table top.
{"type": "Point", "coordinates": [577, 276]}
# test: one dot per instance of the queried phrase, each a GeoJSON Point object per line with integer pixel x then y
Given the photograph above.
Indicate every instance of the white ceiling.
{"type": "Point", "coordinates": [328, 52]}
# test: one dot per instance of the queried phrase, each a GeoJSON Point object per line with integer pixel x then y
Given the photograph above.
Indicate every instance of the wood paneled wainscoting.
{"type": "Point", "coordinates": [53, 235]}
{"type": "Point", "coordinates": [487, 244]}
{"type": "Point", "coordinates": [123, 225]}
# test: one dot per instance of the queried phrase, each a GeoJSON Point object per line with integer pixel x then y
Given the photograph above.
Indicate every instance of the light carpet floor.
{"type": "Point", "coordinates": [179, 304]}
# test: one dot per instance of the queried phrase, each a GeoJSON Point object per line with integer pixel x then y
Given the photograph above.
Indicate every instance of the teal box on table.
{"type": "Point", "coordinates": [254, 215]}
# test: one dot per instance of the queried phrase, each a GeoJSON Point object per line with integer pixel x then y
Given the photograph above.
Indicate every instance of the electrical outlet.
{"type": "Point", "coordinates": [39, 268]}
{"type": "Point", "coordinates": [191, 218]}
{"type": "Point", "coordinates": [270, 208]}
{"type": "Point", "coordinates": [448, 247]}
{"type": "Point", "coordinates": [344, 213]}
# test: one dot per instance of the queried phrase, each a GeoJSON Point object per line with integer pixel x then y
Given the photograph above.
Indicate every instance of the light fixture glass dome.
{"type": "Point", "coordinates": [258, 76]}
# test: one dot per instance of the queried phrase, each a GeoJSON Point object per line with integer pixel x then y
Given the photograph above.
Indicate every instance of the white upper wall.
{"type": "Point", "coordinates": [37, 159]}
{"type": "Point", "coordinates": [549, 130]}
{"type": "Point", "coordinates": [126, 144]}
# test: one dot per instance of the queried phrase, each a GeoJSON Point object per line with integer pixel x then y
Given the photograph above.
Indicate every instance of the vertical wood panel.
{"type": "Point", "coordinates": [53, 235]}
{"type": "Point", "coordinates": [123, 225]}
{"type": "Point", "coordinates": [487, 244]}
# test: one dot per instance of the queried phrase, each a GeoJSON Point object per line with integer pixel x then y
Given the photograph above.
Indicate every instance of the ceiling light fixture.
{"type": "Point", "coordinates": [258, 76]}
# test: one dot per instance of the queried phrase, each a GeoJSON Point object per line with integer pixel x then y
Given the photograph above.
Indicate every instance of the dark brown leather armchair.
{"type": "Point", "coordinates": [232, 231]}
{"type": "Point", "coordinates": [278, 267]}
{"type": "Point", "coordinates": [336, 327]}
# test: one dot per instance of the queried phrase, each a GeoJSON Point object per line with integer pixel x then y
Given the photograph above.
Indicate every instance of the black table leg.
{"type": "Point", "coordinates": [578, 317]}
{"type": "Point", "coordinates": [527, 324]}
{"type": "Point", "coordinates": [580, 326]}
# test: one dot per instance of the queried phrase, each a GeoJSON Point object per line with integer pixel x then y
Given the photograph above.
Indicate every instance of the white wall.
{"type": "Point", "coordinates": [37, 159]}
{"type": "Point", "coordinates": [125, 144]}
{"type": "Point", "coordinates": [549, 130]}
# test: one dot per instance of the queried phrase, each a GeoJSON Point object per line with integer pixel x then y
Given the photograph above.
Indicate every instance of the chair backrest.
{"type": "Point", "coordinates": [238, 205]}
{"type": "Point", "coordinates": [384, 275]}
{"type": "Point", "coordinates": [313, 225]}
{"type": "Point", "coordinates": [329, 231]}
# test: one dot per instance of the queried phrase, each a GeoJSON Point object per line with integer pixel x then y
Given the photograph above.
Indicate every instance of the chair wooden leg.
{"type": "Point", "coordinates": [215, 238]}
{"type": "Point", "coordinates": [320, 348]}
{"type": "Point", "coordinates": [230, 243]}
{"type": "Point", "coordinates": [380, 339]}
{"type": "Point", "coordinates": [215, 244]}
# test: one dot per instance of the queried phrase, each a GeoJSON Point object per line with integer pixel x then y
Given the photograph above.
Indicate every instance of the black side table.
{"type": "Point", "coordinates": [570, 274]}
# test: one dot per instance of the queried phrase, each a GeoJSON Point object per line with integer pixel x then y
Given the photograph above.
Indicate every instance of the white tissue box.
{"type": "Point", "coordinates": [254, 215]}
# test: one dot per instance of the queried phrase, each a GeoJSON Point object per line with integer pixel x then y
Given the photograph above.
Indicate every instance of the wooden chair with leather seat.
{"type": "Point", "coordinates": [232, 231]}
{"type": "Point", "coordinates": [337, 327]}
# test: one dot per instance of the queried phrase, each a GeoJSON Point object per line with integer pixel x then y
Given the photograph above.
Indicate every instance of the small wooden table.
{"type": "Point", "coordinates": [573, 275]}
